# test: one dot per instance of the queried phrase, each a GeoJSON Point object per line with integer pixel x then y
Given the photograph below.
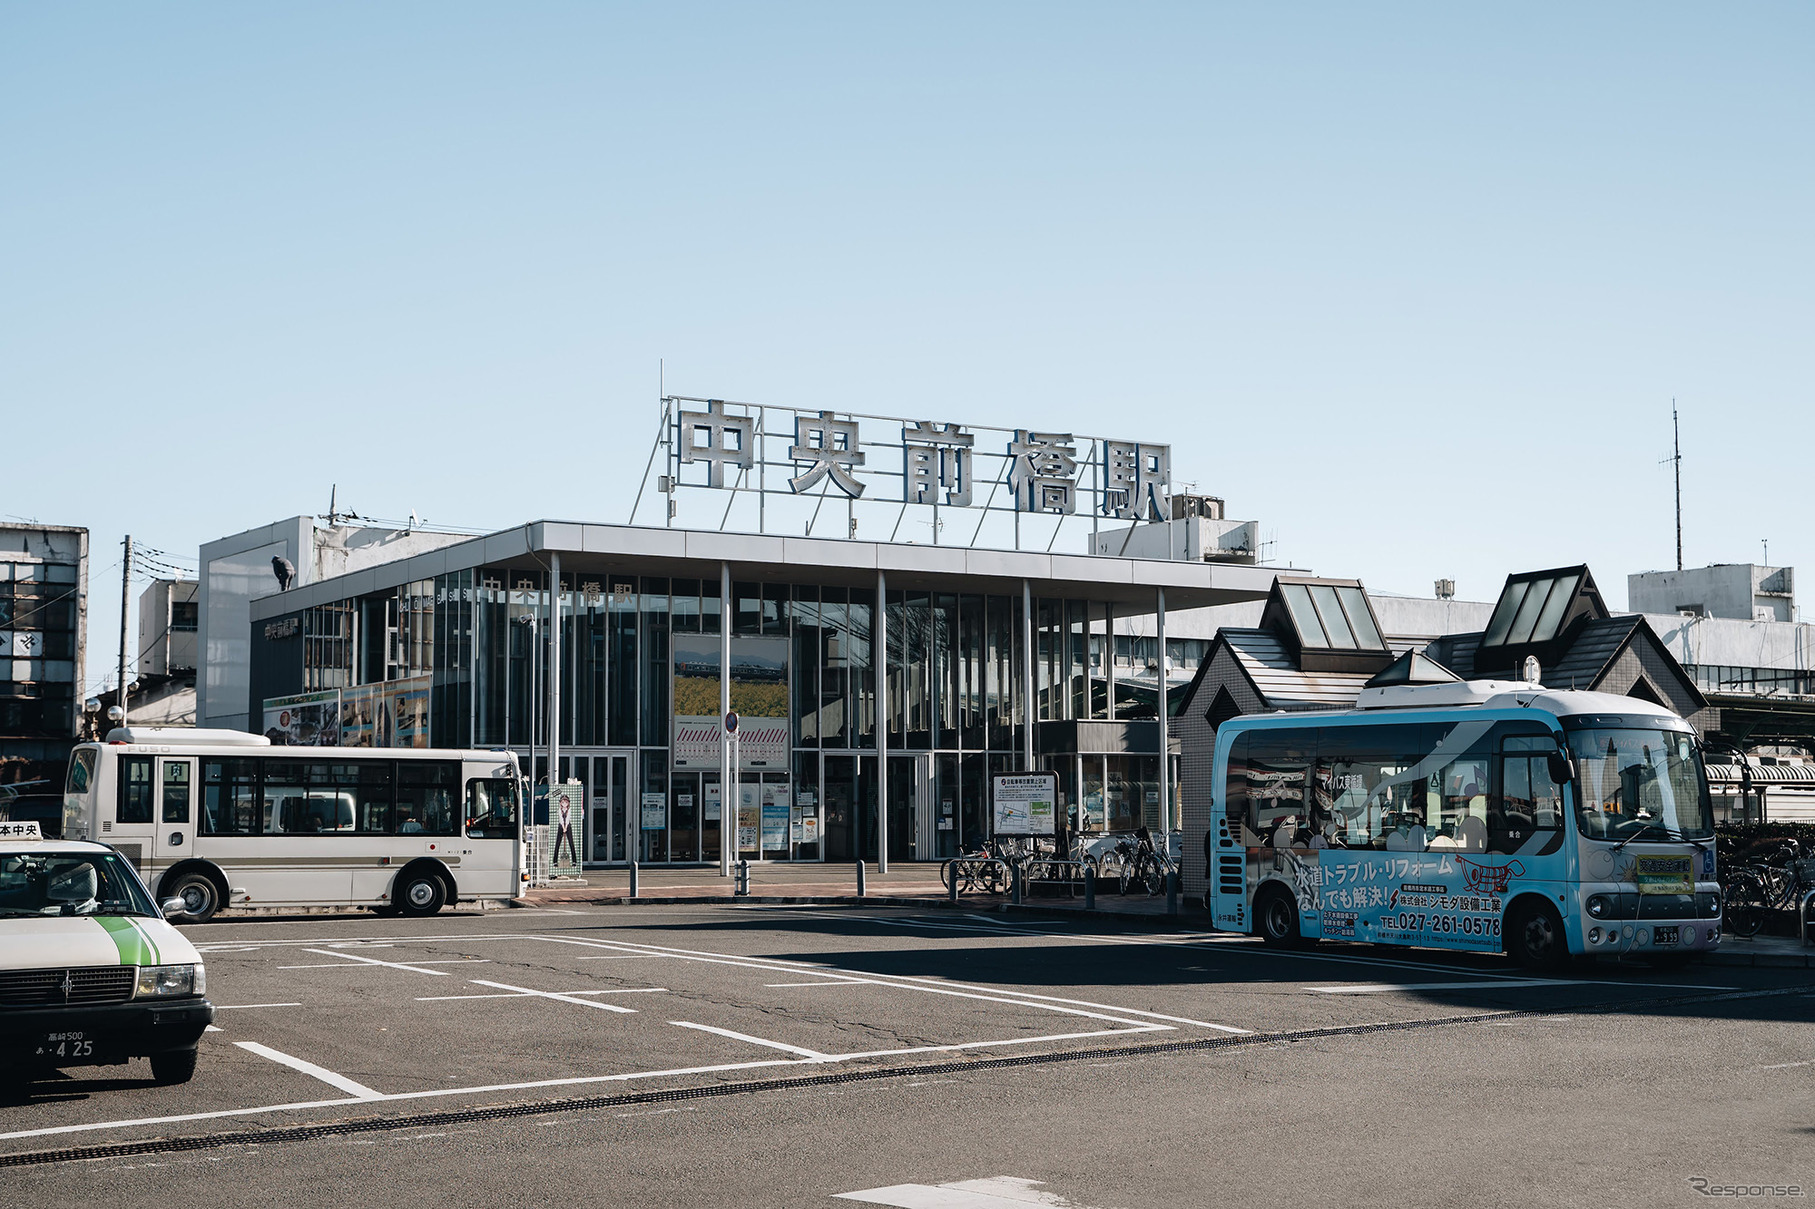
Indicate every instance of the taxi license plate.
{"type": "Point", "coordinates": [1663, 936]}
{"type": "Point", "coordinates": [65, 1045]}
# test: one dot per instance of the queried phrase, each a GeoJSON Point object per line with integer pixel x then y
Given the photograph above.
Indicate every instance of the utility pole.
{"type": "Point", "coordinates": [125, 597]}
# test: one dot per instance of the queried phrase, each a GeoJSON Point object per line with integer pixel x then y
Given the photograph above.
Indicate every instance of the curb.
{"type": "Point", "coordinates": [1735, 957]}
{"type": "Point", "coordinates": [849, 900]}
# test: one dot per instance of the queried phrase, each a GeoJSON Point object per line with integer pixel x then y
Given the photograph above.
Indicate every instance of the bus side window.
{"type": "Point", "coordinates": [135, 790]}
{"type": "Point", "coordinates": [1370, 787]}
{"type": "Point", "coordinates": [1281, 794]}
{"type": "Point", "coordinates": [229, 797]}
{"type": "Point", "coordinates": [1528, 800]}
{"type": "Point", "coordinates": [491, 809]}
{"type": "Point", "coordinates": [1235, 787]}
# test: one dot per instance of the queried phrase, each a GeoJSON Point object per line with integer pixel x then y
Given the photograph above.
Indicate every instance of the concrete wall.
{"type": "Point", "coordinates": [1737, 591]}
{"type": "Point", "coordinates": [162, 648]}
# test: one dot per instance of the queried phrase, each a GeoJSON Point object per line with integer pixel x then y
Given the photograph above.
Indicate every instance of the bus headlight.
{"type": "Point", "coordinates": [1594, 936]}
{"type": "Point", "coordinates": [1599, 906]}
{"type": "Point", "coordinates": [1711, 906]}
{"type": "Point", "coordinates": [158, 981]}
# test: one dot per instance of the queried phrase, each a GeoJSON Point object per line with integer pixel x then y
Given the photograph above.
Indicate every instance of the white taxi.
{"type": "Point", "coordinates": [90, 973]}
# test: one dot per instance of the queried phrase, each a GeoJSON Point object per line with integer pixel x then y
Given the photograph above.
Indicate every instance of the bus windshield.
{"type": "Point", "coordinates": [1640, 784]}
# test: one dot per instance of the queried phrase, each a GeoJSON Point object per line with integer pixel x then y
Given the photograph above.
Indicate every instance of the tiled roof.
{"type": "Point", "coordinates": [1270, 666]}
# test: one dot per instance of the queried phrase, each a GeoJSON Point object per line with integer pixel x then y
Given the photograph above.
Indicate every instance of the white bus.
{"type": "Point", "coordinates": [219, 818]}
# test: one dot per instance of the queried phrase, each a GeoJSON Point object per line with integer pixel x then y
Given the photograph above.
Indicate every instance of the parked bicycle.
{"type": "Point", "coordinates": [1134, 861]}
{"type": "Point", "coordinates": [1754, 889]}
{"type": "Point", "coordinates": [979, 872]}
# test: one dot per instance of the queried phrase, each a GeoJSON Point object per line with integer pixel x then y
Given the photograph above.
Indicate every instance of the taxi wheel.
{"type": "Point", "coordinates": [173, 1066]}
{"type": "Point", "coordinates": [199, 895]}
{"type": "Point", "coordinates": [420, 894]}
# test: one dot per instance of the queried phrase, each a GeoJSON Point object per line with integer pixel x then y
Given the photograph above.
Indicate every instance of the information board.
{"type": "Point", "coordinates": [1023, 803]}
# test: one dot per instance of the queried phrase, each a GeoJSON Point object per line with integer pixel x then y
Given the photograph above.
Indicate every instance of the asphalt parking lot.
{"type": "Point", "coordinates": [360, 1019]}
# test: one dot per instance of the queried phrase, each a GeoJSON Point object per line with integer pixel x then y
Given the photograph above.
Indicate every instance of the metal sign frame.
{"type": "Point", "coordinates": [770, 453]}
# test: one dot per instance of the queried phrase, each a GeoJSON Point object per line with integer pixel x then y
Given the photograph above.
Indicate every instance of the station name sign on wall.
{"type": "Point", "coordinates": [767, 452]}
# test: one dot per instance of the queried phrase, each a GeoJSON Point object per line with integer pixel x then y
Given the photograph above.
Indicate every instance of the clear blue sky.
{"type": "Point", "coordinates": [1411, 285]}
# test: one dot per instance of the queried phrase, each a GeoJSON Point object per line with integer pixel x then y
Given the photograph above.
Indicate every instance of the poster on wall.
{"type": "Point", "coordinates": [1023, 803]}
{"type": "Point", "coordinates": [714, 804]}
{"type": "Point", "coordinates": [775, 817]}
{"type": "Point", "coordinates": [304, 720]}
{"type": "Point", "coordinates": [759, 696]}
{"type": "Point", "coordinates": [359, 716]}
{"type": "Point", "coordinates": [749, 816]}
{"type": "Point", "coordinates": [655, 812]}
{"type": "Point", "coordinates": [408, 702]}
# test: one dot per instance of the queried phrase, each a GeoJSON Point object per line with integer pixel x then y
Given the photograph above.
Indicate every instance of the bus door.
{"type": "Point", "coordinates": [174, 805]}
{"type": "Point", "coordinates": [126, 806]}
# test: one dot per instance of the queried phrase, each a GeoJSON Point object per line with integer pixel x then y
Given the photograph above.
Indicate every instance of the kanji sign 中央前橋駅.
{"type": "Point", "coordinates": [766, 456]}
{"type": "Point", "coordinates": [938, 459]}
{"type": "Point", "coordinates": [826, 446]}
{"type": "Point", "coordinates": [716, 439]}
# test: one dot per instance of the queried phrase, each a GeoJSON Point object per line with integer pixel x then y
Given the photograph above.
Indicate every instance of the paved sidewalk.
{"type": "Point", "coordinates": [832, 884]}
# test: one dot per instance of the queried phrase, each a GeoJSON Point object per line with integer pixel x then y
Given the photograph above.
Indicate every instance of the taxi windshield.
{"type": "Point", "coordinates": [1640, 784]}
{"type": "Point", "coordinates": [70, 883]}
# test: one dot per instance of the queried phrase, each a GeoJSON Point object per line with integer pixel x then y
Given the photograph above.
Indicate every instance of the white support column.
{"type": "Point", "coordinates": [553, 675]}
{"type": "Point", "coordinates": [879, 658]}
{"type": "Point", "coordinates": [1027, 675]}
{"type": "Point", "coordinates": [1109, 652]}
{"type": "Point", "coordinates": [1166, 823]}
{"type": "Point", "coordinates": [727, 788]}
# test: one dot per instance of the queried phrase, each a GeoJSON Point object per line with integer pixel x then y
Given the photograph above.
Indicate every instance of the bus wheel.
{"type": "Point", "coordinates": [200, 897]}
{"type": "Point", "coordinates": [1276, 919]}
{"type": "Point", "coordinates": [1534, 935]}
{"type": "Point", "coordinates": [420, 894]}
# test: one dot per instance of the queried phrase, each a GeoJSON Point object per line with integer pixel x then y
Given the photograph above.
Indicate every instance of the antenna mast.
{"type": "Point", "coordinates": [1676, 440]}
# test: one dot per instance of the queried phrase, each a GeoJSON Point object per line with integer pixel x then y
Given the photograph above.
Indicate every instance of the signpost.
{"type": "Point", "coordinates": [1024, 803]}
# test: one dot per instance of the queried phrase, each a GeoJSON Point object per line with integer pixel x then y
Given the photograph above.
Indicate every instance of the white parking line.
{"type": "Point", "coordinates": [999, 1192]}
{"type": "Point", "coordinates": [373, 961]}
{"type": "Point", "coordinates": [725, 1032]}
{"type": "Point", "coordinates": [613, 957]}
{"type": "Point", "coordinates": [234, 1007]}
{"type": "Point", "coordinates": [830, 982]}
{"type": "Point", "coordinates": [556, 995]}
{"type": "Point", "coordinates": [1045, 1003]}
{"type": "Point", "coordinates": [357, 1090]}
{"type": "Point", "coordinates": [530, 994]}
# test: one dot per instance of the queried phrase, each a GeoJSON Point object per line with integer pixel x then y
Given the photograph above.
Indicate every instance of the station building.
{"type": "Point", "coordinates": [874, 681]}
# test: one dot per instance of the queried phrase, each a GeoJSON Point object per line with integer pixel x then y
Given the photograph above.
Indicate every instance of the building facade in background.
{"type": "Point", "coordinates": [43, 620]}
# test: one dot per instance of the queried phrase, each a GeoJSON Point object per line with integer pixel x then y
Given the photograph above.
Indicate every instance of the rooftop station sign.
{"type": "Point", "coordinates": [765, 452]}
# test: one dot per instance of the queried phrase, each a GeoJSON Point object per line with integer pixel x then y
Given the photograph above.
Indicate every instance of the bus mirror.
{"type": "Point", "coordinates": [1562, 770]}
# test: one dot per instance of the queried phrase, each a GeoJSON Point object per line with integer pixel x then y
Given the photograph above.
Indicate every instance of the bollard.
{"type": "Point", "coordinates": [1172, 894]}
{"type": "Point", "coordinates": [633, 879]}
{"type": "Point", "coordinates": [741, 884]}
{"type": "Point", "coordinates": [951, 882]}
{"type": "Point", "coordinates": [1014, 883]}
{"type": "Point", "coordinates": [859, 879]}
{"type": "Point", "coordinates": [1090, 888]}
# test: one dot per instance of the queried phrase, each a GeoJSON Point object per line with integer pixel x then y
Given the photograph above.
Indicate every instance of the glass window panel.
{"type": "Point", "coordinates": [1504, 612]}
{"type": "Point", "coordinates": [1361, 619]}
{"type": "Point", "coordinates": [1329, 609]}
{"type": "Point", "coordinates": [1552, 616]}
{"type": "Point", "coordinates": [1304, 615]}
{"type": "Point", "coordinates": [1528, 612]}
{"type": "Point", "coordinates": [135, 790]}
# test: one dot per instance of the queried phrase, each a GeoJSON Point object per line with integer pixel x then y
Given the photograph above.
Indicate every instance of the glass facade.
{"type": "Point", "coordinates": [639, 669]}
